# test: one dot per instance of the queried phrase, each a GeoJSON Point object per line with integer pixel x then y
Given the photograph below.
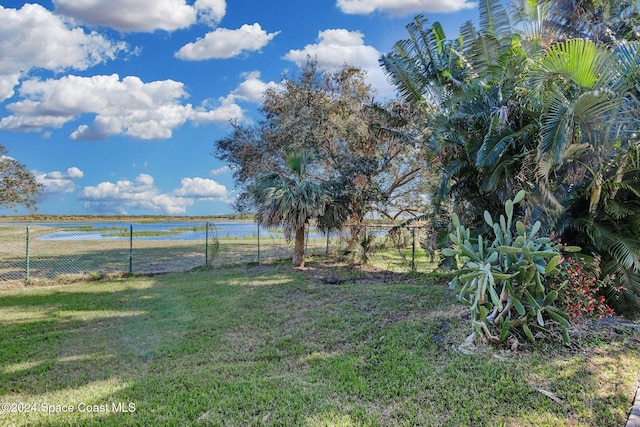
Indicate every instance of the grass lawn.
{"type": "Point", "coordinates": [268, 345]}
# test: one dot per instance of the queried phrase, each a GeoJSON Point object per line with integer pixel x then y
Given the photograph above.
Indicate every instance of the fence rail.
{"type": "Point", "coordinates": [70, 251]}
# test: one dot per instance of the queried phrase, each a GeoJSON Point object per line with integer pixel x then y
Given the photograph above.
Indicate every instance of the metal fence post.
{"type": "Point", "coordinates": [306, 241]}
{"type": "Point", "coordinates": [413, 249]}
{"type": "Point", "coordinates": [130, 248]}
{"type": "Point", "coordinates": [326, 252]}
{"type": "Point", "coordinates": [206, 243]}
{"type": "Point", "coordinates": [26, 265]}
{"type": "Point", "coordinates": [258, 243]}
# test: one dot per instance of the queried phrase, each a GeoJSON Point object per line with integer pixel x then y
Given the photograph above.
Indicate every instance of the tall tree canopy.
{"type": "Point", "coordinates": [18, 186]}
{"type": "Point", "coordinates": [530, 106]}
{"type": "Point", "coordinates": [367, 155]}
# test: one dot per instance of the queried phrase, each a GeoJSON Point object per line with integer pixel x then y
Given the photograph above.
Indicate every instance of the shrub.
{"type": "Point", "coordinates": [502, 279]}
{"type": "Point", "coordinates": [580, 291]}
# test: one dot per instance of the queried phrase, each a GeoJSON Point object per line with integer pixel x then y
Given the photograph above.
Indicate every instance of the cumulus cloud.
{"type": "Point", "coordinates": [201, 188]}
{"type": "Point", "coordinates": [211, 11]}
{"type": "Point", "coordinates": [125, 106]}
{"type": "Point", "coordinates": [223, 43]}
{"type": "Point", "coordinates": [124, 196]}
{"type": "Point", "coordinates": [57, 182]}
{"type": "Point", "coordinates": [221, 170]}
{"type": "Point", "coordinates": [337, 47]}
{"type": "Point", "coordinates": [143, 15]}
{"type": "Point", "coordinates": [33, 37]}
{"type": "Point", "coordinates": [252, 88]}
{"type": "Point", "coordinates": [399, 8]}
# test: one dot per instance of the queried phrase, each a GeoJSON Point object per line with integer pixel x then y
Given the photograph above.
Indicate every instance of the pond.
{"type": "Point", "coordinates": [156, 231]}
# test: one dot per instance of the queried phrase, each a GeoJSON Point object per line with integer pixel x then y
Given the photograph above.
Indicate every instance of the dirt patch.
{"type": "Point", "coordinates": [332, 271]}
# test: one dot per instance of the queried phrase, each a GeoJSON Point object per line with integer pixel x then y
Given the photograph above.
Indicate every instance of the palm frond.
{"type": "Point", "coordinates": [555, 126]}
{"type": "Point", "coordinates": [632, 186]}
{"type": "Point", "coordinates": [483, 53]}
{"type": "Point", "coordinates": [289, 201]}
{"type": "Point", "coordinates": [451, 169]}
{"type": "Point", "coordinates": [579, 60]}
{"type": "Point", "coordinates": [545, 166]}
{"type": "Point", "coordinates": [620, 245]}
{"type": "Point", "coordinates": [627, 301]}
{"type": "Point", "coordinates": [594, 109]}
{"type": "Point", "coordinates": [619, 210]}
{"type": "Point", "coordinates": [400, 72]}
{"type": "Point", "coordinates": [494, 146]}
{"type": "Point", "coordinates": [627, 54]}
{"type": "Point", "coordinates": [421, 60]}
{"type": "Point", "coordinates": [573, 151]}
{"type": "Point", "coordinates": [494, 20]}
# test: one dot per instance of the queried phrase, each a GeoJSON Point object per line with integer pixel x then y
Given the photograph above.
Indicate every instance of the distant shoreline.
{"type": "Point", "coordinates": [237, 217]}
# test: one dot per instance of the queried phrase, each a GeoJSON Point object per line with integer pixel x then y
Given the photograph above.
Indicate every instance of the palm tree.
{"type": "Point", "coordinates": [611, 229]}
{"type": "Point", "coordinates": [290, 200]}
{"type": "Point", "coordinates": [599, 20]}
{"type": "Point", "coordinates": [523, 111]}
{"type": "Point", "coordinates": [467, 89]}
{"type": "Point", "coordinates": [588, 153]}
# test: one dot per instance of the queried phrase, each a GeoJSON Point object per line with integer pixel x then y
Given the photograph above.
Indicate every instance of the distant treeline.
{"type": "Point", "coordinates": [125, 218]}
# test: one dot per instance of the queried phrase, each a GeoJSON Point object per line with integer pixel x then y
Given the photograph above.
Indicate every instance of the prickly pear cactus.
{"type": "Point", "coordinates": [502, 278]}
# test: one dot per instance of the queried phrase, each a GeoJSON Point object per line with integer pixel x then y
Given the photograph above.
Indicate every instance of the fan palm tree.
{"type": "Point", "coordinates": [559, 119]}
{"type": "Point", "coordinates": [581, 91]}
{"type": "Point", "coordinates": [587, 155]}
{"type": "Point", "coordinates": [467, 89]}
{"type": "Point", "coordinates": [290, 200]}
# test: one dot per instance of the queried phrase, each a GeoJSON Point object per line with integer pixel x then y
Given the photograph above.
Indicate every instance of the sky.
{"type": "Point", "coordinates": [115, 105]}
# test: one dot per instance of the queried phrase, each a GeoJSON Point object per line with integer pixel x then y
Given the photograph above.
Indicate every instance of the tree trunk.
{"type": "Point", "coordinates": [356, 228]}
{"type": "Point", "coordinates": [298, 247]}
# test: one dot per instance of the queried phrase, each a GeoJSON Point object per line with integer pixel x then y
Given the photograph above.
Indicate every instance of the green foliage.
{"type": "Point", "coordinates": [549, 104]}
{"type": "Point", "coordinates": [213, 246]}
{"type": "Point", "coordinates": [367, 154]}
{"type": "Point", "coordinates": [503, 277]}
{"type": "Point", "coordinates": [291, 200]}
{"type": "Point", "coordinates": [18, 186]}
{"type": "Point", "coordinates": [580, 289]}
{"type": "Point", "coordinates": [366, 246]}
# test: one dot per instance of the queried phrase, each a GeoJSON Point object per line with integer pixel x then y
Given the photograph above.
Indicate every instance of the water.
{"type": "Point", "coordinates": [155, 231]}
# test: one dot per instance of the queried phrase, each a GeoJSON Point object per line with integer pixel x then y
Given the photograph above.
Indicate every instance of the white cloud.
{"type": "Point", "coordinates": [143, 15]}
{"type": "Point", "coordinates": [201, 188]}
{"type": "Point", "coordinates": [128, 107]}
{"type": "Point", "coordinates": [252, 88]}
{"type": "Point", "coordinates": [211, 11]}
{"type": "Point", "coordinates": [337, 47]}
{"type": "Point", "coordinates": [223, 43]}
{"type": "Point", "coordinates": [57, 182]}
{"type": "Point", "coordinates": [74, 172]}
{"type": "Point", "coordinates": [124, 196]}
{"type": "Point", "coordinates": [33, 37]}
{"type": "Point", "coordinates": [221, 111]}
{"type": "Point", "coordinates": [221, 170]}
{"type": "Point", "coordinates": [398, 8]}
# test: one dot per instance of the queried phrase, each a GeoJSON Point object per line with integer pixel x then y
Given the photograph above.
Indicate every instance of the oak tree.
{"type": "Point", "coordinates": [18, 186]}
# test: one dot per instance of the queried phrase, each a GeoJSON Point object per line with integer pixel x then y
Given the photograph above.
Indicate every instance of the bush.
{"type": "Point", "coordinates": [502, 279]}
{"type": "Point", "coordinates": [580, 291]}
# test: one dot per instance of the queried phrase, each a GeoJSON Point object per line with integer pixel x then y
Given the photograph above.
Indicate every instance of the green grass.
{"type": "Point", "coordinates": [267, 345]}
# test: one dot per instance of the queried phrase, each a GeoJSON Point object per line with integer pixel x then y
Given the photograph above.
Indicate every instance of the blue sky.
{"type": "Point", "coordinates": [114, 105]}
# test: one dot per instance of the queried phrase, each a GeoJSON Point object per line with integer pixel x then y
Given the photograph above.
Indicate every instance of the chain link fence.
{"type": "Point", "coordinates": [399, 248]}
{"type": "Point", "coordinates": [62, 252]}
